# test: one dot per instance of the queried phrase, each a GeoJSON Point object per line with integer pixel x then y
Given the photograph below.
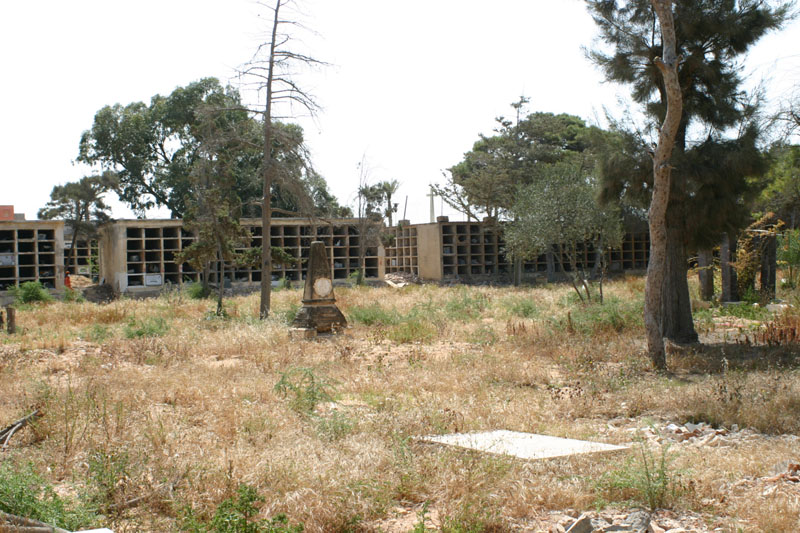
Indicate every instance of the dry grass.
{"type": "Point", "coordinates": [179, 408]}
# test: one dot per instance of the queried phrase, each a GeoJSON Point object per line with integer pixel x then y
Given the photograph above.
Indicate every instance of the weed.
{"type": "Point", "coordinates": [149, 327]}
{"type": "Point", "coordinates": [412, 330]}
{"type": "Point", "coordinates": [31, 291]}
{"type": "Point", "coordinates": [71, 295]}
{"type": "Point", "coordinates": [372, 315]}
{"type": "Point", "coordinates": [237, 515]}
{"type": "Point", "coordinates": [283, 284]}
{"type": "Point", "coordinates": [287, 314]}
{"type": "Point", "coordinates": [483, 335]}
{"type": "Point", "coordinates": [613, 315]}
{"type": "Point", "coordinates": [109, 473]}
{"type": "Point", "coordinates": [746, 310]}
{"type": "Point", "coordinates": [647, 477]}
{"type": "Point", "coordinates": [518, 306]}
{"type": "Point", "coordinates": [97, 333]}
{"type": "Point", "coordinates": [24, 493]}
{"type": "Point", "coordinates": [466, 305]}
{"type": "Point", "coordinates": [334, 426]}
{"type": "Point", "coordinates": [305, 388]}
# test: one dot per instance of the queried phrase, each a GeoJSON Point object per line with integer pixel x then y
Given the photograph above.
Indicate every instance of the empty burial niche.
{"type": "Point", "coordinates": [521, 445]}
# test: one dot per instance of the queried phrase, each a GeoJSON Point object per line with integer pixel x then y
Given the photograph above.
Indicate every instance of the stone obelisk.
{"type": "Point", "coordinates": [319, 313]}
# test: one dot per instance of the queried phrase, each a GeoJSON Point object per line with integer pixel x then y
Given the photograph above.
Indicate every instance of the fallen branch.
{"type": "Point", "coordinates": [7, 433]}
{"type": "Point", "coordinates": [26, 525]}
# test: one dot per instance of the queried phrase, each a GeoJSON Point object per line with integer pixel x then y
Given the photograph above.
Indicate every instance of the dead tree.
{"type": "Point", "coordinates": [668, 66]}
{"type": "Point", "coordinates": [271, 66]}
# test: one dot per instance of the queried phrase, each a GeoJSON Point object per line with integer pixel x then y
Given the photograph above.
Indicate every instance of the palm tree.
{"type": "Point", "coordinates": [387, 189]}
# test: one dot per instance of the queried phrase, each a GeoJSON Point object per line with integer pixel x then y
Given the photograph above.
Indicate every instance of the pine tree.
{"type": "Point", "coordinates": [708, 183]}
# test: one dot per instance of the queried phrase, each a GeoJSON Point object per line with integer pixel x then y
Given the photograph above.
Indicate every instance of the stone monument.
{"type": "Point", "coordinates": [319, 313]}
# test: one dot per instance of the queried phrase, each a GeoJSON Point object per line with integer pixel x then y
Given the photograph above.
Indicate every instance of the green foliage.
{"type": "Point", "coordinates": [412, 329]}
{"type": "Point", "coordinates": [149, 327]}
{"type": "Point", "coordinates": [789, 256]}
{"type": "Point", "coordinates": [238, 515]}
{"type": "Point", "coordinates": [484, 335]}
{"type": "Point", "coordinates": [97, 333]}
{"type": "Point", "coordinates": [647, 477]}
{"type": "Point", "coordinates": [466, 305]}
{"type": "Point", "coordinates": [31, 291]}
{"type": "Point", "coordinates": [521, 307]}
{"type": "Point", "coordinates": [108, 472]}
{"type": "Point", "coordinates": [561, 209]}
{"type": "Point", "coordinates": [745, 309]}
{"type": "Point", "coordinates": [612, 315]}
{"type": "Point", "coordinates": [304, 388]}
{"type": "Point", "coordinates": [374, 314]}
{"type": "Point", "coordinates": [71, 295]}
{"type": "Point", "coordinates": [288, 313]}
{"type": "Point", "coordinates": [24, 493]}
{"type": "Point", "coordinates": [782, 193]}
{"type": "Point", "coordinates": [334, 426]}
{"type": "Point", "coordinates": [197, 291]}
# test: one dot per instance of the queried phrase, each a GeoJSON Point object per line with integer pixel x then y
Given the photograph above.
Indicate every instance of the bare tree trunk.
{"type": "Point", "coordinates": [727, 252]}
{"type": "Point", "coordinates": [676, 310]}
{"type": "Point", "coordinates": [668, 65]}
{"type": "Point", "coordinates": [267, 169]}
{"type": "Point", "coordinates": [705, 274]}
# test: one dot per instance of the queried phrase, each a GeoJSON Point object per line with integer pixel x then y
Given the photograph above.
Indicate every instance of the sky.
{"type": "Point", "coordinates": [409, 87]}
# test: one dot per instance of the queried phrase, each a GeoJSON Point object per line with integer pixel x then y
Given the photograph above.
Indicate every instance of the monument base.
{"type": "Point", "coordinates": [320, 318]}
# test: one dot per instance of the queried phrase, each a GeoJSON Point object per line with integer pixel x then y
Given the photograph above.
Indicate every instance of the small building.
{"type": "Point", "coordinates": [31, 251]}
{"type": "Point", "coordinates": [140, 255]}
{"type": "Point", "coordinates": [476, 251]}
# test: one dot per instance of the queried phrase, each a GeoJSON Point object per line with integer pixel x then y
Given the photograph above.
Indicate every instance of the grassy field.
{"type": "Point", "coordinates": [159, 416]}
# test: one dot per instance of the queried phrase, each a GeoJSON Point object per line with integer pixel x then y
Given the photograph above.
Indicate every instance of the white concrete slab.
{"type": "Point", "coordinates": [522, 445]}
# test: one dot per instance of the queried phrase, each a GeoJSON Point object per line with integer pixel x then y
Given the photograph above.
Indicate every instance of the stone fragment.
{"type": "Point", "coordinates": [582, 525]}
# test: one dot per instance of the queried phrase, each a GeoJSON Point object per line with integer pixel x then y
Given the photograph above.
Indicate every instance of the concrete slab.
{"type": "Point", "coordinates": [522, 445]}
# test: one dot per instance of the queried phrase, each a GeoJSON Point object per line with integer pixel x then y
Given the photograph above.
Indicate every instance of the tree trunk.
{"type": "Point", "coordinates": [705, 274]}
{"type": "Point", "coordinates": [661, 272]}
{"type": "Point", "coordinates": [727, 252]}
{"type": "Point", "coordinates": [267, 169]}
{"type": "Point", "coordinates": [768, 268]}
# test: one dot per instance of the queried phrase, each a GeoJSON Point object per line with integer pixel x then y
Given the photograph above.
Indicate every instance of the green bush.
{"type": "Point", "coordinates": [24, 493]}
{"type": "Point", "coordinates": [149, 327]}
{"type": "Point", "coordinates": [196, 291]}
{"type": "Point", "coordinates": [31, 291]}
{"type": "Point", "coordinates": [237, 515]}
{"type": "Point", "coordinates": [71, 295]}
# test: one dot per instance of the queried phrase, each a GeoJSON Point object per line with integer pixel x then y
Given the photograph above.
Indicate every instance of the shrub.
{"type": "Point", "coordinates": [71, 295]}
{"type": "Point", "coordinates": [237, 515]}
{"type": "Point", "coordinates": [197, 291]}
{"type": "Point", "coordinates": [611, 315]}
{"type": "Point", "coordinates": [24, 493]}
{"type": "Point", "coordinates": [466, 305]}
{"type": "Point", "coordinates": [31, 291]}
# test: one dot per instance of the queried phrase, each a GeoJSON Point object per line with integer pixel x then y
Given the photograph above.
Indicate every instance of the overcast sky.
{"type": "Point", "coordinates": [410, 86]}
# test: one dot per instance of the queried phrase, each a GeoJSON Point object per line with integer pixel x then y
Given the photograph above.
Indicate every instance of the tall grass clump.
{"type": "Point", "coordinates": [648, 477]}
{"type": "Point", "coordinates": [613, 315]}
{"type": "Point", "coordinates": [374, 314]}
{"type": "Point", "coordinates": [466, 305]}
{"type": "Point", "coordinates": [149, 327]}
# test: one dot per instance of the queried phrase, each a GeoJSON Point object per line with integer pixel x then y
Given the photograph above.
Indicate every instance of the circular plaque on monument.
{"type": "Point", "coordinates": [323, 287]}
